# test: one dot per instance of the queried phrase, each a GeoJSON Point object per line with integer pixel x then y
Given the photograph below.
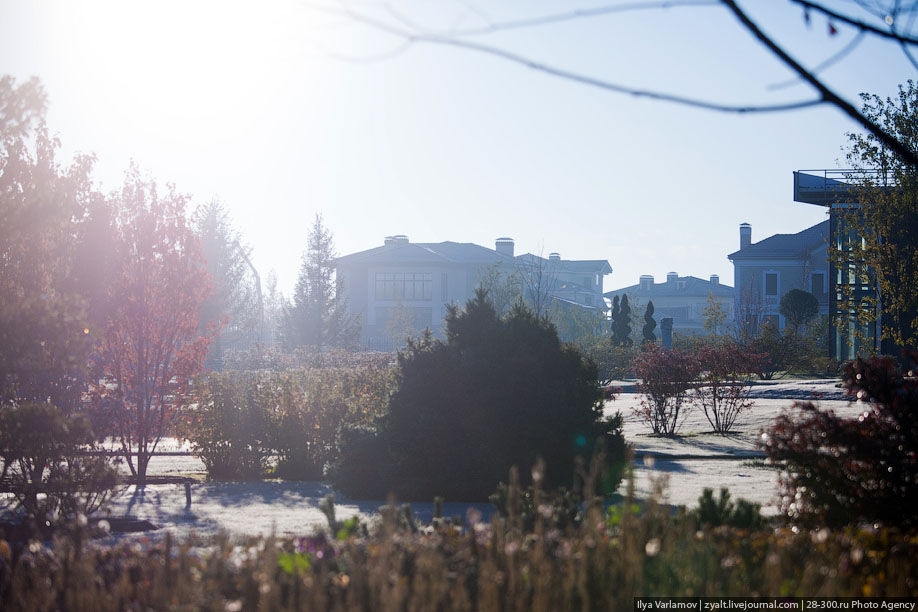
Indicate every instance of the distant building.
{"type": "Point", "coordinates": [683, 298]}
{"type": "Point", "coordinates": [426, 277]}
{"type": "Point", "coordinates": [764, 271]}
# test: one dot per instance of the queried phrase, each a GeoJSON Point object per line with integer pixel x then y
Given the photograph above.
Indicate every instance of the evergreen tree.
{"type": "Point", "coordinates": [318, 316]}
{"type": "Point", "coordinates": [649, 325]}
{"type": "Point", "coordinates": [624, 323]}
{"type": "Point", "coordinates": [235, 293]}
{"type": "Point", "coordinates": [614, 324]}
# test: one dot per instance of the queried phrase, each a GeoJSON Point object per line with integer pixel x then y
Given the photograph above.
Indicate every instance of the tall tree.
{"type": "Point", "coordinates": [152, 344]}
{"type": "Point", "coordinates": [235, 298]}
{"type": "Point", "coordinates": [881, 248]}
{"type": "Point", "coordinates": [318, 316]}
{"type": "Point", "coordinates": [44, 217]}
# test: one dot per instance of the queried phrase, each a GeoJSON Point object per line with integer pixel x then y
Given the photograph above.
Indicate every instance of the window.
{"type": "Point", "coordinates": [587, 282]}
{"type": "Point", "coordinates": [404, 285]}
{"type": "Point", "coordinates": [818, 284]}
{"type": "Point", "coordinates": [771, 284]}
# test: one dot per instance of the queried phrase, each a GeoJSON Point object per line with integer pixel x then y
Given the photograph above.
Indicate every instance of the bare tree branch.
{"type": "Point", "coordinates": [554, 18]}
{"type": "Point", "coordinates": [412, 36]}
{"type": "Point", "coordinates": [830, 61]}
{"type": "Point", "coordinates": [857, 24]}
{"type": "Point", "coordinates": [827, 95]}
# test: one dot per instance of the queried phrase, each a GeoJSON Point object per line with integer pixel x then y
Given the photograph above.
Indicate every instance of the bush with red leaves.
{"type": "Point", "coordinates": [852, 470]}
{"type": "Point", "coordinates": [724, 385]}
{"type": "Point", "coordinates": [666, 379]}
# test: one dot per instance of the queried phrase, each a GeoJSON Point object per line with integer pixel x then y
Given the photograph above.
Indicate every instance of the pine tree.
{"type": "Point", "coordinates": [649, 325]}
{"type": "Point", "coordinates": [318, 316]}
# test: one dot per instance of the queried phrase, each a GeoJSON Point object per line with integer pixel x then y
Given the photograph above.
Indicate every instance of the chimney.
{"type": "Point", "coordinates": [646, 282]}
{"type": "Point", "coordinates": [671, 277]}
{"type": "Point", "coordinates": [388, 241]}
{"type": "Point", "coordinates": [554, 257]}
{"type": "Point", "coordinates": [715, 279]}
{"type": "Point", "coordinates": [745, 235]}
{"type": "Point", "coordinates": [504, 246]}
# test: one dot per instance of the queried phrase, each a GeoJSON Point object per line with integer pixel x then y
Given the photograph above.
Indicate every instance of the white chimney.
{"type": "Point", "coordinates": [554, 257]}
{"type": "Point", "coordinates": [504, 246]}
{"type": "Point", "coordinates": [715, 279]}
{"type": "Point", "coordinates": [646, 282]}
{"type": "Point", "coordinates": [671, 277]}
{"type": "Point", "coordinates": [745, 235]}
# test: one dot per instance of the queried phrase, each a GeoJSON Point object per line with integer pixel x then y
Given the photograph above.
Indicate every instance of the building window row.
{"type": "Point", "coordinates": [404, 286]}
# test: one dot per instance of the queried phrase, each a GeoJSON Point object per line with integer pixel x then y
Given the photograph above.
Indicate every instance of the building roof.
{"type": "Point", "coordinates": [463, 252]}
{"type": "Point", "coordinates": [694, 286]}
{"type": "Point", "coordinates": [587, 266]}
{"type": "Point", "coordinates": [428, 252]}
{"type": "Point", "coordinates": [786, 246]}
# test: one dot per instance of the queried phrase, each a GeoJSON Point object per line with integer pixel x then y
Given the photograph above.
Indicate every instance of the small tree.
{"type": "Point", "coordinates": [714, 315]}
{"type": "Point", "coordinates": [649, 325]}
{"type": "Point", "coordinates": [318, 316]}
{"type": "Point", "coordinates": [151, 345]}
{"type": "Point", "coordinates": [666, 379]}
{"type": "Point", "coordinates": [624, 322]}
{"type": "Point", "coordinates": [799, 308]}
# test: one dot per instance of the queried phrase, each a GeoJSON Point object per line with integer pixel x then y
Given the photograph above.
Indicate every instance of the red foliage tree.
{"type": "Point", "coordinates": [666, 379]}
{"type": "Point", "coordinates": [151, 346]}
{"type": "Point", "coordinates": [724, 384]}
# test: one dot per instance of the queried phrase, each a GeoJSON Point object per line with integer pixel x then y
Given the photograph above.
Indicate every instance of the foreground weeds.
{"type": "Point", "coordinates": [597, 562]}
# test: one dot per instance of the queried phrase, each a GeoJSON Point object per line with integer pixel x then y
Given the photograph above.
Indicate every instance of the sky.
{"type": "Point", "coordinates": [287, 109]}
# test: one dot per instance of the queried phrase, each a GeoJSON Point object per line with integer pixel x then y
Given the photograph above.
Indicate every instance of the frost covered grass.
{"type": "Point", "coordinates": [599, 561]}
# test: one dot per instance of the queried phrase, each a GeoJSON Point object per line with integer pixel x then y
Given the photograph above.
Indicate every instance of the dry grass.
{"type": "Point", "coordinates": [600, 562]}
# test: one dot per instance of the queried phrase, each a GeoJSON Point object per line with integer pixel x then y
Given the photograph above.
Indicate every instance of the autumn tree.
{"type": "Point", "coordinates": [714, 315]}
{"type": "Point", "coordinates": [318, 316]}
{"type": "Point", "coordinates": [45, 211]}
{"type": "Point", "coordinates": [152, 344]}
{"type": "Point", "coordinates": [880, 247]}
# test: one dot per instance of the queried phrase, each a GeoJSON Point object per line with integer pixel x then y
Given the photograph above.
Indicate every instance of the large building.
{"type": "Point", "coordinates": [683, 298]}
{"type": "Point", "coordinates": [424, 278]}
{"type": "Point", "coordinates": [766, 270]}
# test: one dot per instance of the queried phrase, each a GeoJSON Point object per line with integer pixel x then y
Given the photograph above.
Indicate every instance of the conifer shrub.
{"type": "Point", "coordinates": [849, 470]}
{"type": "Point", "coordinates": [499, 392]}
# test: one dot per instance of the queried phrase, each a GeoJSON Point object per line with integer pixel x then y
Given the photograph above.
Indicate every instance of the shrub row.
{"type": "Point", "coordinates": [239, 421]}
{"type": "Point", "coordinates": [715, 377]}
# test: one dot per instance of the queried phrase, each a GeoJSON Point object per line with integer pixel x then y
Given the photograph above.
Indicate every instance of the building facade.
{"type": "Point", "coordinates": [418, 281]}
{"type": "Point", "coordinates": [764, 271]}
{"type": "Point", "coordinates": [684, 298]}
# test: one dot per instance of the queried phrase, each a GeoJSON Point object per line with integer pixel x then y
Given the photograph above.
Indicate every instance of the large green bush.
{"type": "Point", "coordinates": [498, 392]}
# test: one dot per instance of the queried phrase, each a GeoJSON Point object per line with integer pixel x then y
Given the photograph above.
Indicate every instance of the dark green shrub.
{"type": "Point", "coordinates": [499, 392]}
{"type": "Point", "coordinates": [45, 465]}
{"type": "Point", "coordinates": [741, 514]}
{"type": "Point", "coordinates": [843, 470]}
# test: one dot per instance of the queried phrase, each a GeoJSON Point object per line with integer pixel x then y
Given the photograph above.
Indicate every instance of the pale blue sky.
{"type": "Point", "coordinates": [250, 102]}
